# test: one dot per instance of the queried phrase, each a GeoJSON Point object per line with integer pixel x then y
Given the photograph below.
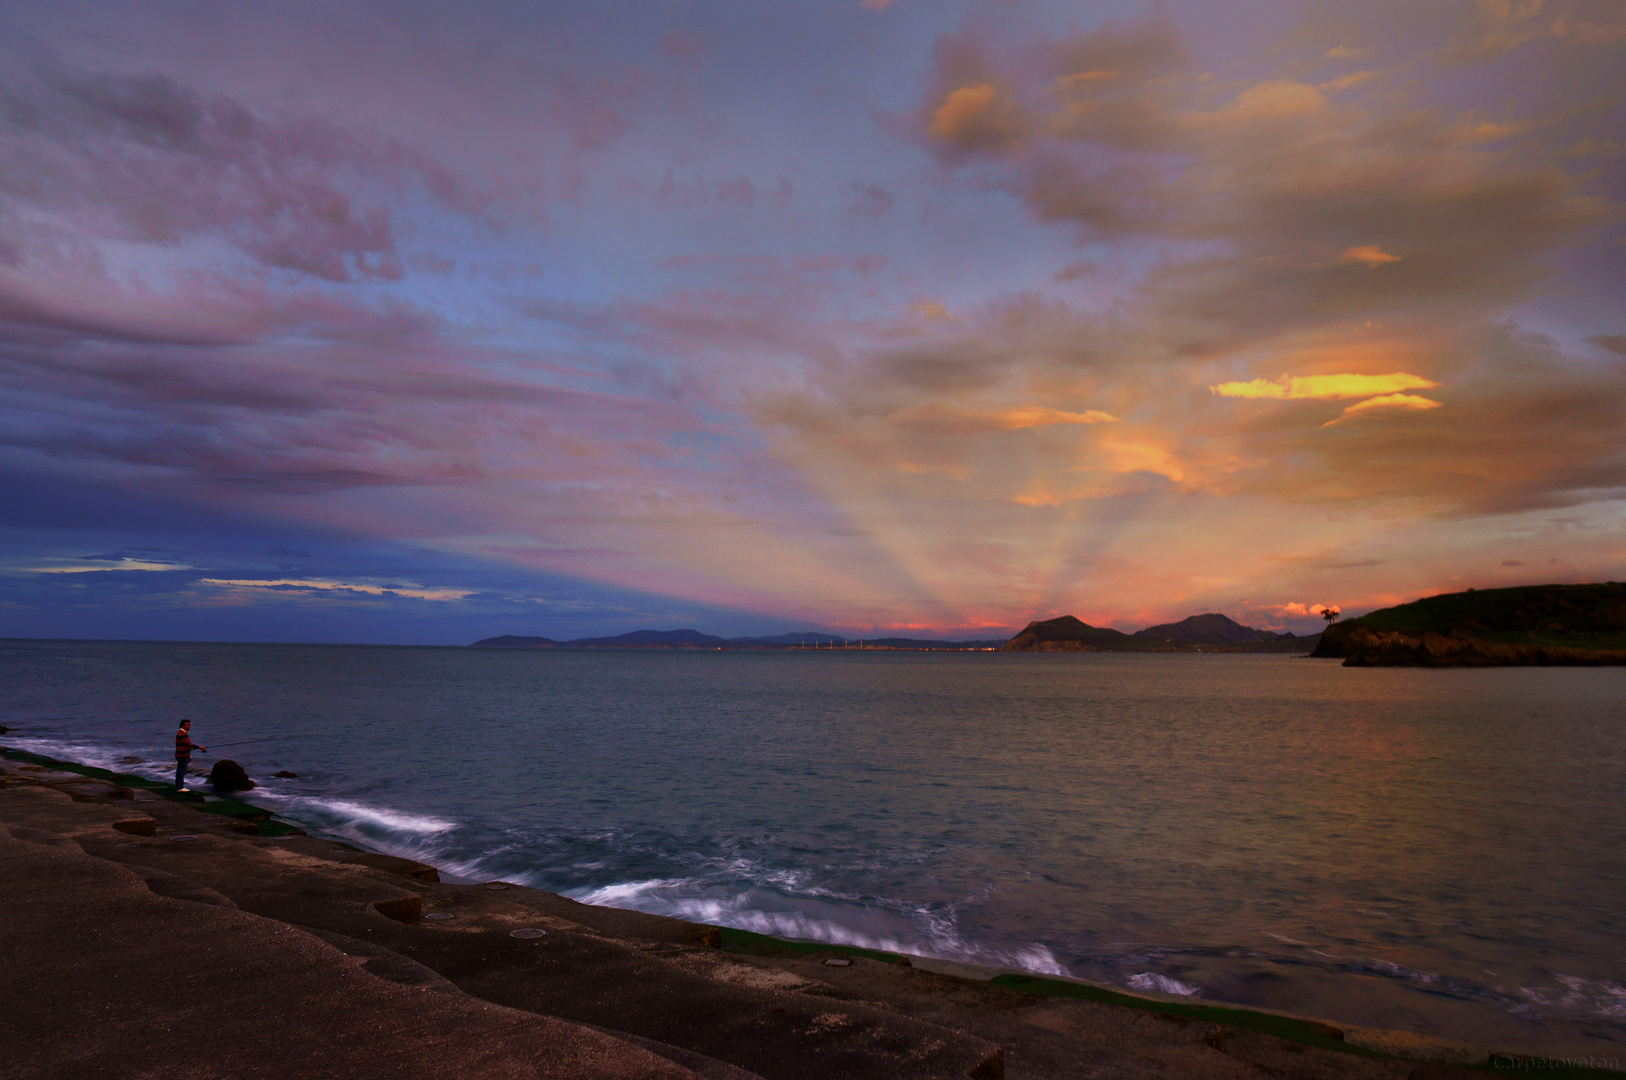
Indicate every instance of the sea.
{"type": "Point", "coordinates": [1435, 851]}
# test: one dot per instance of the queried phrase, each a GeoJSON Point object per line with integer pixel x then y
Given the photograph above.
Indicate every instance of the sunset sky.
{"type": "Point", "coordinates": [424, 322]}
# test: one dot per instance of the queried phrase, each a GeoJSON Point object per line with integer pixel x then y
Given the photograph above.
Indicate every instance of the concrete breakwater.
{"type": "Point", "coordinates": [145, 937]}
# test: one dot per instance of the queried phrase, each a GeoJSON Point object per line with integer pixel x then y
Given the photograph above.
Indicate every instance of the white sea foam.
{"type": "Point", "coordinates": [97, 755]}
{"type": "Point", "coordinates": [376, 817]}
{"type": "Point", "coordinates": [1162, 984]}
{"type": "Point", "coordinates": [936, 938]}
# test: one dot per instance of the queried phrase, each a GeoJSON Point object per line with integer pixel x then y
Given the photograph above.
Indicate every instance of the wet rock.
{"type": "Point", "coordinates": [227, 775]}
{"type": "Point", "coordinates": [129, 759]}
{"type": "Point", "coordinates": [284, 774]}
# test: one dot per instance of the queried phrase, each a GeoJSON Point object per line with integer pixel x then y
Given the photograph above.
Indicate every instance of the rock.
{"type": "Point", "coordinates": [227, 775]}
{"type": "Point", "coordinates": [129, 759]}
{"type": "Point", "coordinates": [1364, 647]}
{"type": "Point", "coordinates": [3, 729]}
{"type": "Point", "coordinates": [284, 774]}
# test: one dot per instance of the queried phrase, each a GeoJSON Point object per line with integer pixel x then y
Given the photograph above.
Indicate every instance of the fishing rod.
{"type": "Point", "coordinates": [247, 742]}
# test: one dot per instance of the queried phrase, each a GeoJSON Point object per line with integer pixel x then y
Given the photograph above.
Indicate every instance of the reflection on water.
{"type": "Point", "coordinates": [1439, 851]}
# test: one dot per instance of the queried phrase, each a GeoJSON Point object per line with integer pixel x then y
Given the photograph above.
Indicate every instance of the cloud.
{"type": "Point", "coordinates": [1367, 255]}
{"type": "Point", "coordinates": [143, 158]}
{"type": "Point", "coordinates": [1386, 401]}
{"type": "Point", "coordinates": [316, 586]}
{"type": "Point", "coordinates": [1323, 386]}
{"type": "Point", "coordinates": [978, 117]}
{"type": "Point", "coordinates": [942, 419]}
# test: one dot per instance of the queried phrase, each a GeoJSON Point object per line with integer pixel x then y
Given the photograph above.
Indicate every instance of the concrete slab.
{"type": "Point", "coordinates": [103, 978]}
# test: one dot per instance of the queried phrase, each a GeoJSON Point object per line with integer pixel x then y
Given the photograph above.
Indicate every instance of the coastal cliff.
{"type": "Point", "coordinates": [1552, 625]}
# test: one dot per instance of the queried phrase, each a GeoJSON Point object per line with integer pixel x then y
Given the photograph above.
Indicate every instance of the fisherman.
{"type": "Point", "coordinates": [183, 753]}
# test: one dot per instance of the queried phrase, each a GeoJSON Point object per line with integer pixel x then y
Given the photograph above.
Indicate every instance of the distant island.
{"type": "Point", "coordinates": [1199, 633]}
{"type": "Point", "coordinates": [1568, 625]}
{"type": "Point", "coordinates": [1211, 632]}
{"type": "Point", "coordinates": [694, 639]}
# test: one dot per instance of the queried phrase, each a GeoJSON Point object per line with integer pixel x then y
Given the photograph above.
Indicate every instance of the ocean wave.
{"type": "Point", "coordinates": [1162, 984]}
{"type": "Point", "coordinates": [96, 755]}
{"type": "Point", "coordinates": [361, 815]}
{"type": "Point", "coordinates": [926, 933]}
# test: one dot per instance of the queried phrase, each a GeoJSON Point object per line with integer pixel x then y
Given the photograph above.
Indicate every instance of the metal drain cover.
{"type": "Point", "coordinates": [440, 915]}
{"type": "Point", "coordinates": [499, 885]}
{"type": "Point", "coordinates": [178, 839]}
{"type": "Point", "coordinates": [527, 933]}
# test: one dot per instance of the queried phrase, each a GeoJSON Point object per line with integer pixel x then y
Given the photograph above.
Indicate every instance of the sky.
{"type": "Point", "coordinates": [419, 323]}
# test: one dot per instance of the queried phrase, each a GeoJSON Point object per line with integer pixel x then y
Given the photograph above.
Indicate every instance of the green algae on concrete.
{"type": "Point", "coordinates": [265, 823]}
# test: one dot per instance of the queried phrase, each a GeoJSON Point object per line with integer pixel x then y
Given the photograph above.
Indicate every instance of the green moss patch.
{"type": "Point", "coordinates": [224, 807]}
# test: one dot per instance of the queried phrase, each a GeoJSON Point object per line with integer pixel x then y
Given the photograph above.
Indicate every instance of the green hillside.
{"type": "Point", "coordinates": [1575, 616]}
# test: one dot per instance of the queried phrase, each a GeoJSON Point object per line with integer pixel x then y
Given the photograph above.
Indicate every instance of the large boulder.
{"type": "Point", "coordinates": [227, 775]}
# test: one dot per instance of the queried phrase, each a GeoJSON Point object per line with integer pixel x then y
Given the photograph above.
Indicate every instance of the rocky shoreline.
{"type": "Point", "coordinates": [1362, 646]}
{"type": "Point", "coordinates": [145, 934]}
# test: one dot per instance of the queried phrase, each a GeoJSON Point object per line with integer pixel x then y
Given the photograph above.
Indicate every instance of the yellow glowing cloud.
{"type": "Point", "coordinates": [1367, 255]}
{"type": "Point", "coordinates": [1387, 401]}
{"type": "Point", "coordinates": [325, 585]}
{"type": "Point", "coordinates": [1324, 386]}
{"type": "Point", "coordinates": [931, 310]}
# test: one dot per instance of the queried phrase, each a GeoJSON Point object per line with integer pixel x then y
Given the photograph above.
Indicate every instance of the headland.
{"type": "Point", "coordinates": [1529, 625]}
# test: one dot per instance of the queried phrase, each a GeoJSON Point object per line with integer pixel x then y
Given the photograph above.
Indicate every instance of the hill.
{"type": "Point", "coordinates": [1526, 624]}
{"type": "Point", "coordinates": [1211, 632]}
{"type": "Point", "coordinates": [1209, 629]}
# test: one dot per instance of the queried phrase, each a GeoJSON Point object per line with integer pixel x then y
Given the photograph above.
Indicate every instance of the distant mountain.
{"type": "Point", "coordinates": [928, 643]}
{"type": "Point", "coordinates": [693, 639]}
{"type": "Point", "coordinates": [1212, 632]}
{"type": "Point", "coordinates": [1210, 629]}
{"type": "Point", "coordinates": [515, 641]}
{"type": "Point", "coordinates": [806, 637]}
{"type": "Point", "coordinates": [1067, 634]}
{"type": "Point", "coordinates": [1526, 624]}
{"type": "Point", "coordinates": [668, 638]}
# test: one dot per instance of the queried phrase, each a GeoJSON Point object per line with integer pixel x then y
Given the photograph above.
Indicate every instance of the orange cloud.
{"type": "Point", "coordinates": [1278, 100]}
{"type": "Point", "coordinates": [1032, 416]}
{"type": "Point", "coordinates": [1367, 255]}
{"type": "Point", "coordinates": [1387, 401]}
{"type": "Point", "coordinates": [976, 116]}
{"type": "Point", "coordinates": [950, 420]}
{"type": "Point", "coordinates": [1082, 80]}
{"type": "Point", "coordinates": [1324, 386]}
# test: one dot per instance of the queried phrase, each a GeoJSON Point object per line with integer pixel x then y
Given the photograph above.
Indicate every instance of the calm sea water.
{"type": "Point", "coordinates": [1437, 851]}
